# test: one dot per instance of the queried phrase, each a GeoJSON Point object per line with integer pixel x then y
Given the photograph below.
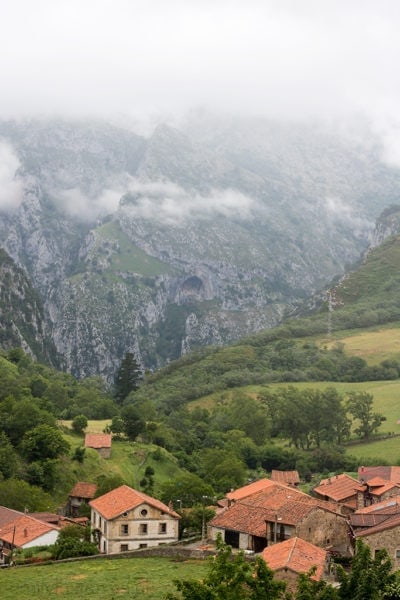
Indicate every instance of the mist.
{"type": "Point", "coordinates": [11, 188]}
{"type": "Point", "coordinates": [137, 60]}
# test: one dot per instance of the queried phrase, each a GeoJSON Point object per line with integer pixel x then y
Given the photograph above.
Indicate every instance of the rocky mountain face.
{"type": "Point", "coordinates": [22, 321]}
{"type": "Point", "coordinates": [195, 235]}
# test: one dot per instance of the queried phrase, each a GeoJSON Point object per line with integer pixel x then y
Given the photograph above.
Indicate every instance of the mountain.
{"type": "Point", "coordinates": [197, 234]}
{"type": "Point", "coordinates": [22, 322]}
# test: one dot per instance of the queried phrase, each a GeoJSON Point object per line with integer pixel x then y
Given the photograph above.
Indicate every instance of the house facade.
{"type": "Point", "coordinates": [25, 532]}
{"type": "Point", "coordinates": [81, 493]}
{"type": "Point", "coordinates": [126, 519]}
{"type": "Point", "coordinates": [101, 442]}
{"type": "Point", "coordinates": [385, 535]}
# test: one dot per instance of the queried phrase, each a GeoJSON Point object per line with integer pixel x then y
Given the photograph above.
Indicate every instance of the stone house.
{"type": "Point", "coordinates": [384, 472]}
{"type": "Point", "coordinates": [376, 490]}
{"type": "Point", "coordinates": [277, 513]}
{"type": "Point", "coordinates": [247, 490]}
{"type": "Point", "coordinates": [81, 493]}
{"type": "Point", "coordinates": [126, 519]}
{"type": "Point", "coordinates": [295, 556]}
{"type": "Point", "coordinates": [100, 442]}
{"type": "Point", "coordinates": [341, 489]}
{"type": "Point", "coordinates": [385, 535]}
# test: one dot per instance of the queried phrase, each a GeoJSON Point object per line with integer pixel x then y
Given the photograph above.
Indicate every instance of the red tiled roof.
{"type": "Point", "coordinates": [82, 489]}
{"type": "Point", "coordinates": [124, 498]}
{"type": "Point", "coordinates": [250, 514]}
{"type": "Point", "coordinates": [387, 507]}
{"type": "Point", "coordinates": [366, 520]}
{"type": "Point", "coordinates": [249, 489]}
{"type": "Point", "coordinates": [98, 440]}
{"type": "Point", "coordinates": [288, 477]}
{"type": "Point", "coordinates": [7, 515]}
{"type": "Point", "coordinates": [390, 523]}
{"type": "Point", "coordinates": [339, 488]}
{"type": "Point", "coordinates": [24, 529]}
{"type": "Point", "coordinates": [297, 555]}
{"type": "Point", "coordinates": [387, 473]}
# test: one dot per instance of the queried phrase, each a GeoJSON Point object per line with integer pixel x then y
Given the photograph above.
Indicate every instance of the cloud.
{"type": "Point", "coordinates": [79, 205]}
{"type": "Point", "coordinates": [337, 210]}
{"type": "Point", "coordinates": [279, 58]}
{"type": "Point", "coordinates": [170, 204]}
{"type": "Point", "coordinates": [11, 188]}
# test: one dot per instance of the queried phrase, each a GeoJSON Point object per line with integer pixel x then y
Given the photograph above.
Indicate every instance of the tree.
{"type": "Point", "coordinates": [231, 577]}
{"type": "Point", "coordinates": [127, 377]}
{"type": "Point", "coordinates": [369, 577]}
{"type": "Point", "coordinates": [79, 423]}
{"type": "Point", "coordinates": [133, 422]}
{"type": "Point", "coordinates": [359, 405]}
{"type": "Point", "coordinates": [73, 540]}
{"type": "Point", "coordinates": [42, 442]}
{"type": "Point", "coordinates": [19, 495]}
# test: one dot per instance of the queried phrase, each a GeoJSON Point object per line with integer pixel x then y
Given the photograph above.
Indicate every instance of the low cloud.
{"type": "Point", "coordinates": [171, 204]}
{"type": "Point", "coordinates": [79, 205]}
{"type": "Point", "coordinates": [337, 210]}
{"type": "Point", "coordinates": [11, 188]}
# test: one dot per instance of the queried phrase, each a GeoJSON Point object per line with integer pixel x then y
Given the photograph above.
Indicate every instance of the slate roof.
{"type": "Point", "coordinates": [82, 489]}
{"type": "Point", "coordinates": [297, 555]}
{"type": "Point", "coordinates": [340, 488]}
{"type": "Point", "coordinates": [98, 440]}
{"type": "Point", "coordinates": [287, 477]}
{"type": "Point", "coordinates": [124, 498]}
{"type": "Point", "coordinates": [24, 529]}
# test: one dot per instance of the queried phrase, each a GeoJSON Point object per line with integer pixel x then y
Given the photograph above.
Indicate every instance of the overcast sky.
{"type": "Point", "coordinates": [161, 57]}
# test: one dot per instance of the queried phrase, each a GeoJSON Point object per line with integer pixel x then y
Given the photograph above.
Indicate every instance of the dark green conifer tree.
{"type": "Point", "coordinates": [127, 377]}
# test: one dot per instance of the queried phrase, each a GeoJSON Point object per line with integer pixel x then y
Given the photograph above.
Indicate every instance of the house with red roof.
{"type": "Point", "coordinates": [341, 489]}
{"type": "Point", "coordinates": [26, 532]}
{"type": "Point", "coordinates": [126, 519]}
{"type": "Point", "coordinates": [81, 493]}
{"type": "Point", "coordinates": [277, 513]}
{"type": "Point", "coordinates": [292, 557]}
{"type": "Point", "coordinates": [247, 490]}
{"type": "Point", "coordinates": [384, 472]}
{"type": "Point", "coordinates": [100, 442]}
{"type": "Point", "coordinates": [385, 534]}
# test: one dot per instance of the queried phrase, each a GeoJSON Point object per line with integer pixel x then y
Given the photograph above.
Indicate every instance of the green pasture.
{"type": "Point", "coordinates": [373, 345]}
{"type": "Point", "coordinates": [105, 579]}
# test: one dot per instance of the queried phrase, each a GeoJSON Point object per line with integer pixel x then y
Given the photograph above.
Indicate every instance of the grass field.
{"type": "Point", "coordinates": [133, 578]}
{"type": "Point", "coordinates": [374, 345]}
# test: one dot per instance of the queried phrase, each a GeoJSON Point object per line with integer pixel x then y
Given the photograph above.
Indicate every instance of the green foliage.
{"type": "Point", "coordinates": [127, 377]}
{"type": "Point", "coordinates": [187, 490]}
{"type": "Point", "coordinates": [133, 421]}
{"type": "Point", "coordinates": [231, 577]}
{"type": "Point", "coordinates": [19, 495]}
{"type": "Point", "coordinates": [42, 442]}
{"type": "Point", "coordinates": [106, 483]}
{"type": "Point", "coordinates": [79, 423]}
{"type": "Point", "coordinates": [359, 404]}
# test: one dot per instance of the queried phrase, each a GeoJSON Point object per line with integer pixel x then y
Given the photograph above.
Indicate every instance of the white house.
{"type": "Point", "coordinates": [126, 519]}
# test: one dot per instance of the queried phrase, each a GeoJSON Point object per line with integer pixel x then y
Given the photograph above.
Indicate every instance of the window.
{"type": "Point", "coordinates": [143, 512]}
{"type": "Point", "coordinates": [162, 528]}
{"type": "Point", "coordinates": [142, 545]}
{"type": "Point", "coordinates": [124, 529]}
{"type": "Point", "coordinates": [124, 548]}
{"type": "Point", "coordinates": [143, 528]}
{"type": "Point", "coordinates": [398, 553]}
{"type": "Point", "coordinates": [100, 522]}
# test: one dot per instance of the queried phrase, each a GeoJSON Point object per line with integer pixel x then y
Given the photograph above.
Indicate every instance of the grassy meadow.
{"type": "Point", "coordinates": [105, 579]}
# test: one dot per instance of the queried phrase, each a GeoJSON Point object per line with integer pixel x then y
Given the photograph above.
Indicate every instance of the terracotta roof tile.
{"type": "Point", "coordinates": [98, 440]}
{"type": "Point", "coordinates": [7, 515]}
{"type": "Point", "coordinates": [390, 523]}
{"type": "Point", "coordinates": [339, 488]}
{"type": "Point", "coordinates": [250, 514]}
{"type": "Point", "coordinates": [387, 473]}
{"type": "Point", "coordinates": [288, 477]}
{"type": "Point", "coordinates": [388, 506]}
{"type": "Point", "coordinates": [82, 489]}
{"type": "Point", "coordinates": [123, 499]}
{"type": "Point", "coordinates": [249, 489]}
{"type": "Point", "coordinates": [297, 555]}
{"type": "Point", "coordinates": [366, 520]}
{"type": "Point", "coordinates": [24, 529]}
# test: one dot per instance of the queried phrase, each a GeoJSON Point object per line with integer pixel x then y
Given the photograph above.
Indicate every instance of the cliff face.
{"type": "Point", "coordinates": [190, 237]}
{"type": "Point", "coordinates": [22, 321]}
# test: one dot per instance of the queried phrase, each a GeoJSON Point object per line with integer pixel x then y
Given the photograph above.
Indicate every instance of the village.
{"type": "Point", "coordinates": [293, 531]}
